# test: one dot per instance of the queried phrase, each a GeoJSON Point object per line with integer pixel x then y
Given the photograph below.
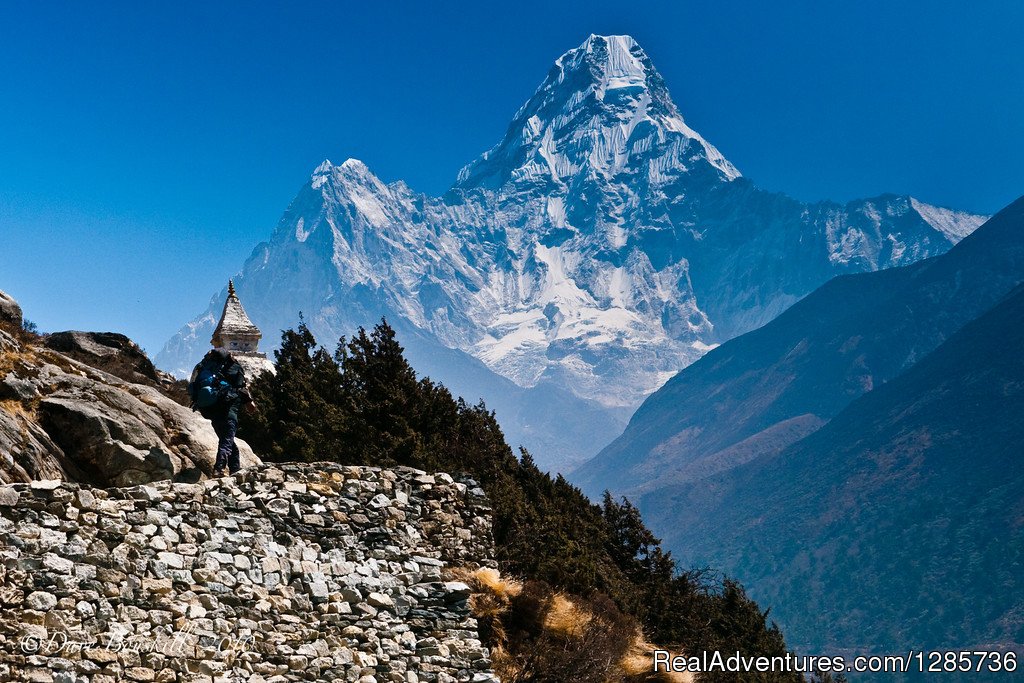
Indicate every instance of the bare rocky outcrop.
{"type": "Point", "coordinates": [108, 351]}
{"type": "Point", "coordinates": [10, 311]}
{"type": "Point", "coordinates": [90, 407]}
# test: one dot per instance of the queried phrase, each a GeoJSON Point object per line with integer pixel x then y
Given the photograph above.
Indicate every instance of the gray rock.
{"type": "Point", "coordinates": [10, 311]}
{"type": "Point", "coordinates": [58, 564]}
{"type": "Point", "coordinates": [8, 496]}
{"type": "Point", "coordinates": [85, 609]}
{"type": "Point", "coordinates": [108, 351]}
{"type": "Point", "coordinates": [16, 388]}
{"type": "Point", "coordinates": [41, 601]}
{"type": "Point", "coordinates": [380, 600]}
{"type": "Point", "coordinates": [85, 500]}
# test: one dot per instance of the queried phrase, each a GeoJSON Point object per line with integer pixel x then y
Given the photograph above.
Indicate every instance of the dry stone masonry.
{"type": "Point", "coordinates": [282, 573]}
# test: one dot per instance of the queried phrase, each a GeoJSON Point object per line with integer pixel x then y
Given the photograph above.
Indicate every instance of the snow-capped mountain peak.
{"type": "Point", "coordinates": [955, 225]}
{"type": "Point", "coordinates": [601, 246]}
{"type": "Point", "coordinates": [603, 110]}
{"type": "Point", "coordinates": [612, 61]}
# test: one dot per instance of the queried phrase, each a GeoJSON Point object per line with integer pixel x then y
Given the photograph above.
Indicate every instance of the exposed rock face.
{"type": "Point", "coordinates": [291, 573]}
{"type": "Point", "coordinates": [63, 415]}
{"type": "Point", "coordinates": [10, 311]}
{"type": "Point", "coordinates": [111, 352]}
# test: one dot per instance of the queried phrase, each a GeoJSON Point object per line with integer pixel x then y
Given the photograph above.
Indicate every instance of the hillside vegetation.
{"type": "Point", "coordinates": [908, 501]}
{"type": "Point", "coordinates": [364, 404]}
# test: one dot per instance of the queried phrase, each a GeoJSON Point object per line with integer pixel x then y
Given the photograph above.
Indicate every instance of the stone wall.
{"type": "Point", "coordinates": [280, 573]}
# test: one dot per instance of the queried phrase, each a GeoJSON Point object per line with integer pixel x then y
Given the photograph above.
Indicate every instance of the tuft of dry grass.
{"type": "Point", "coordinates": [638, 664]}
{"type": "Point", "coordinates": [17, 409]}
{"type": "Point", "coordinates": [491, 580]}
{"type": "Point", "coordinates": [565, 618]}
{"type": "Point", "coordinates": [10, 360]}
{"type": "Point", "coordinates": [540, 635]}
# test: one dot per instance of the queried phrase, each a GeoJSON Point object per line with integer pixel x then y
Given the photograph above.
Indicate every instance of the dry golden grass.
{"type": "Point", "coordinates": [24, 356]}
{"type": "Point", "coordinates": [505, 665]}
{"type": "Point", "coordinates": [17, 409]}
{"type": "Point", "coordinates": [639, 662]}
{"type": "Point", "coordinates": [565, 618]}
{"type": "Point", "coordinates": [492, 581]}
{"type": "Point", "coordinates": [538, 634]}
{"type": "Point", "coordinates": [490, 602]}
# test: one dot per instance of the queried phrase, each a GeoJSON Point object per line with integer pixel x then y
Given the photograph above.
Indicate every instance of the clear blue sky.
{"type": "Point", "coordinates": [145, 148]}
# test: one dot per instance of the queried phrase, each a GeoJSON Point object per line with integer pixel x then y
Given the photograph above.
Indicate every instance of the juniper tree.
{"type": "Point", "coordinates": [365, 405]}
{"type": "Point", "coordinates": [297, 416]}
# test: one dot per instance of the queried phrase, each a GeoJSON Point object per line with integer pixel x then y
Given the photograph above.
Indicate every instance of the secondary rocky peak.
{"type": "Point", "coordinates": [339, 178]}
{"type": "Point", "coordinates": [354, 165]}
{"type": "Point", "coordinates": [325, 167]}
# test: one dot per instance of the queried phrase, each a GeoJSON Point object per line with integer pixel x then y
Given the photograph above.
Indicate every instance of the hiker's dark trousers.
{"type": "Point", "coordinates": [227, 449]}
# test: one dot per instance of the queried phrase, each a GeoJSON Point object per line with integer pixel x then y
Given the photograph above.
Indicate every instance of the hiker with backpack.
{"type": "Point", "coordinates": [217, 390]}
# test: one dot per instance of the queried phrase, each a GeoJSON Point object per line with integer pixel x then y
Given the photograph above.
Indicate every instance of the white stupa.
{"type": "Point", "coordinates": [236, 333]}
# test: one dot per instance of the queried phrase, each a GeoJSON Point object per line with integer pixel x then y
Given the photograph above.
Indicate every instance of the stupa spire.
{"type": "Point", "coordinates": [235, 331]}
{"type": "Point", "coordinates": [240, 336]}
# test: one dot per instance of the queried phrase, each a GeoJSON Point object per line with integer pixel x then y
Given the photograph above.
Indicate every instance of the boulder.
{"type": "Point", "coordinates": [130, 433]}
{"type": "Point", "coordinates": [10, 311]}
{"type": "Point", "coordinates": [118, 355]}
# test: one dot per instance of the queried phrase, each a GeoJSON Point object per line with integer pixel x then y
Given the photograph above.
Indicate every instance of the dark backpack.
{"type": "Point", "coordinates": [209, 386]}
